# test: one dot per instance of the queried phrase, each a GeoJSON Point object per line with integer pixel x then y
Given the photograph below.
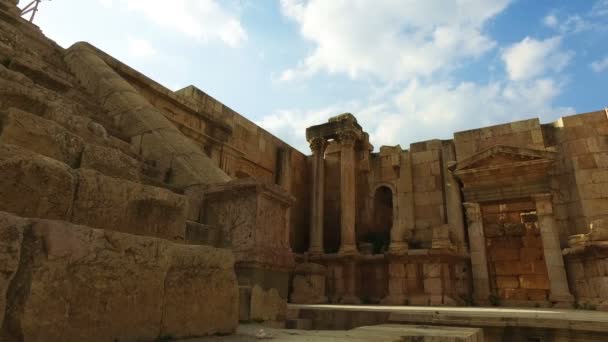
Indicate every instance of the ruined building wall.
{"type": "Point", "coordinates": [235, 144]}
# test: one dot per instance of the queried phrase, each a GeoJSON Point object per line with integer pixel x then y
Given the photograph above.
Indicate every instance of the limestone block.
{"type": "Point", "coordinates": [120, 205]}
{"type": "Point", "coordinates": [431, 270]}
{"type": "Point", "coordinates": [40, 135]}
{"type": "Point", "coordinates": [599, 230]}
{"type": "Point", "coordinates": [201, 292]}
{"type": "Point", "coordinates": [533, 281]}
{"type": "Point", "coordinates": [514, 229]}
{"type": "Point", "coordinates": [309, 284]}
{"type": "Point", "coordinates": [534, 294]}
{"type": "Point", "coordinates": [493, 230]}
{"type": "Point", "coordinates": [111, 162]}
{"type": "Point", "coordinates": [433, 286]}
{"type": "Point", "coordinates": [504, 254]}
{"type": "Point", "coordinates": [530, 254]}
{"type": "Point", "coordinates": [11, 237]}
{"type": "Point", "coordinates": [590, 267]}
{"type": "Point", "coordinates": [513, 293]}
{"type": "Point", "coordinates": [507, 282]}
{"type": "Point", "coordinates": [33, 185]}
{"type": "Point", "coordinates": [75, 283]}
{"type": "Point", "coordinates": [507, 268]}
{"type": "Point", "coordinates": [267, 305]}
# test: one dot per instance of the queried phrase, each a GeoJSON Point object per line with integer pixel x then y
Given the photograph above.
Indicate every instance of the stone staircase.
{"type": "Point", "coordinates": [71, 185]}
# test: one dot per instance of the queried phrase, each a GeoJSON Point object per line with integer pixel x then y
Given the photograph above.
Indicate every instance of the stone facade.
{"type": "Point", "coordinates": [483, 218]}
{"type": "Point", "coordinates": [106, 174]}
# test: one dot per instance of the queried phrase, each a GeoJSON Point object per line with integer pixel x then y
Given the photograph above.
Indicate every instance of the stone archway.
{"type": "Point", "coordinates": [382, 219]}
{"type": "Point", "coordinates": [383, 210]}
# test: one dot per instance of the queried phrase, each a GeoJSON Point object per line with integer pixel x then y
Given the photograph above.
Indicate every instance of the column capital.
{"type": "Point", "coordinates": [347, 138]}
{"type": "Point", "coordinates": [318, 145]}
{"type": "Point", "coordinates": [544, 205]}
{"type": "Point", "coordinates": [473, 211]}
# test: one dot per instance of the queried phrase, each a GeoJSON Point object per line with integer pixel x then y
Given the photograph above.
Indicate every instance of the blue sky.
{"type": "Point", "coordinates": [410, 70]}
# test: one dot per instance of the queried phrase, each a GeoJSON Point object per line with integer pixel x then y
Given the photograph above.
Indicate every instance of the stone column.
{"type": "Point", "coordinates": [399, 229]}
{"type": "Point", "coordinates": [560, 293]}
{"type": "Point", "coordinates": [284, 180]}
{"type": "Point", "coordinates": [453, 197]}
{"type": "Point", "coordinates": [396, 284]}
{"type": "Point", "coordinates": [479, 259]}
{"type": "Point", "coordinates": [347, 193]}
{"type": "Point", "coordinates": [350, 279]}
{"type": "Point", "coordinates": [317, 145]}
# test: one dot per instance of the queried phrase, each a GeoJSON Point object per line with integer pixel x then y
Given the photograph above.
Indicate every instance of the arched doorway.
{"type": "Point", "coordinates": [383, 210]}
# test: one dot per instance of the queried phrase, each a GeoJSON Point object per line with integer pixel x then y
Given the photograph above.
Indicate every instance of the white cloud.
{"type": "Point", "coordinates": [531, 58]}
{"type": "Point", "coordinates": [203, 20]}
{"type": "Point", "coordinates": [600, 65]}
{"type": "Point", "coordinates": [600, 8]}
{"type": "Point", "coordinates": [550, 21]}
{"type": "Point", "coordinates": [418, 110]}
{"type": "Point", "coordinates": [139, 48]}
{"type": "Point", "coordinates": [390, 39]}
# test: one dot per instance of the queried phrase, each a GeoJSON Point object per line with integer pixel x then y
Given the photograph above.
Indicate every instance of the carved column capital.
{"type": "Point", "coordinates": [473, 211]}
{"type": "Point", "coordinates": [544, 204]}
{"type": "Point", "coordinates": [347, 138]}
{"type": "Point", "coordinates": [318, 145]}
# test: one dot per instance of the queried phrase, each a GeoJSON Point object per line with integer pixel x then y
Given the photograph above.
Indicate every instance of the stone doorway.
{"type": "Point", "coordinates": [380, 230]}
{"type": "Point", "coordinates": [516, 264]}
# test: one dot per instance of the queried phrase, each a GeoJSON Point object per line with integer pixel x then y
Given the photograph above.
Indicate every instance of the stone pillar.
{"type": "Point", "coordinates": [559, 291]}
{"type": "Point", "coordinates": [400, 228]}
{"type": "Point", "coordinates": [453, 197]}
{"type": "Point", "coordinates": [317, 145]}
{"type": "Point", "coordinates": [284, 180]}
{"type": "Point", "coordinates": [347, 193]}
{"type": "Point", "coordinates": [350, 279]}
{"type": "Point", "coordinates": [479, 259]}
{"type": "Point", "coordinates": [396, 284]}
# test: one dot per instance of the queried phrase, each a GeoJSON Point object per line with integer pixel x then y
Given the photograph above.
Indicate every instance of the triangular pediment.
{"type": "Point", "coordinates": [503, 156]}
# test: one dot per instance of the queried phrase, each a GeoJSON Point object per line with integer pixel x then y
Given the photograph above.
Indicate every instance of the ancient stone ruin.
{"type": "Point", "coordinates": [129, 212]}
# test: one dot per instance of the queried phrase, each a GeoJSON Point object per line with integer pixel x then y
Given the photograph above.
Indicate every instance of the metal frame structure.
{"type": "Point", "coordinates": [32, 8]}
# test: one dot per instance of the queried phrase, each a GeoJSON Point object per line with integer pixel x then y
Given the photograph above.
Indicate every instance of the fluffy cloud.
{"type": "Point", "coordinates": [531, 58]}
{"type": "Point", "coordinates": [418, 110]}
{"type": "Point", "coordinates": [390, 39]}
{"type": "Point", "coordinates": [600, 65]}
{"type": "Point", "coordinates": [203, 20]}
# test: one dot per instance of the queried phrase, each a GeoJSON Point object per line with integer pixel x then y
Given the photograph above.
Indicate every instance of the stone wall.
{"type": "Point", "coordinates": [73, 283]}
{"type": "Point", "coordinates": [516, 264]}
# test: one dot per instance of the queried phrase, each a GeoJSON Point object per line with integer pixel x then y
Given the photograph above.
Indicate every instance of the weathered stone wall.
{"type": "Point", "coordinates": [581, 184]}
{"type": "Point", "coordinates": [517, 268]}
{"type": "Point", "coordinates": [63, 282]}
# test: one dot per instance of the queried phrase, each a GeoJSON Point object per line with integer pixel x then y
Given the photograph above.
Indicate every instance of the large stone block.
{"type": "Point", "coordinates": [33, 185]}
{"type": "Point", "coordinates": [11, 237]}
{"type": "Point", "coordinates": [40, 135]}
{"type": "Point", "coordinates": [111, 162]}
{"type": "Point", "coordinates": [120, 205]}
{"type": "Point", "coordinates": [201, 292]}
{"type": "Point", "coordinates": [75, 283]}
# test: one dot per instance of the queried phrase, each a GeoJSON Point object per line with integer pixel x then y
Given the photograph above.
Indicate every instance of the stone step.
{"type": "Point", "coordinates": [299, 324]}
{"type": "Point", "coordinates": [33, 185]}
{"type": "Point", "coordinates": [52, 140]}
{"type": "Point", "coordinates": [63, 282]}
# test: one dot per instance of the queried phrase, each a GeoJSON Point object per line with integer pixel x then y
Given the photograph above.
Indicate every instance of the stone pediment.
{"type": "Point", "coordinates": [505, 168]}
{"type": "Point", "coordinates": [501, 156]}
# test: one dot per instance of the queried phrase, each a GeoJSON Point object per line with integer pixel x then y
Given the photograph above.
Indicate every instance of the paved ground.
{"type": "Point", "coordinates": [379, 333]}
